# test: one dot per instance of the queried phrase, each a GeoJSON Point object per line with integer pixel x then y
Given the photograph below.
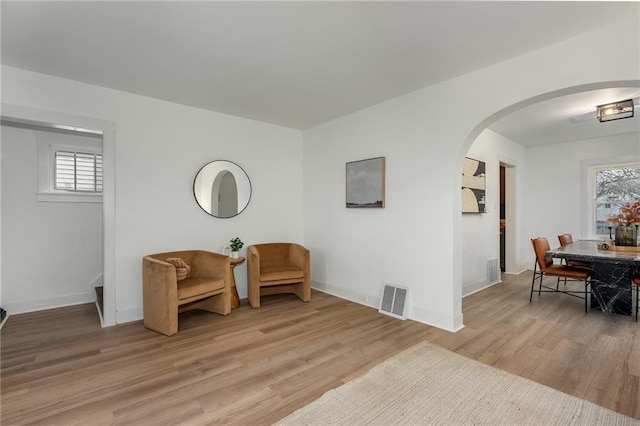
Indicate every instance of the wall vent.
{"type": "Point", "coordinates": [493, 271]}
{"type": "Point", "coordinates": [393, 301]}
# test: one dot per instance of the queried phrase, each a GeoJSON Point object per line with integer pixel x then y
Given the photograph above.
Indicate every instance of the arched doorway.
{"type": "Point", "coordinates": [518, 248]}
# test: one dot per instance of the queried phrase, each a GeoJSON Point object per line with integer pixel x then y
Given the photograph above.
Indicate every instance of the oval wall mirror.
{"type": "Point", "coordinates": [222, 189]}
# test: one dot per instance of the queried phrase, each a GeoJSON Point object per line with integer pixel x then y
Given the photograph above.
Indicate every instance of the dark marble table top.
{"type": "Point", "coordinates": [588, 251]}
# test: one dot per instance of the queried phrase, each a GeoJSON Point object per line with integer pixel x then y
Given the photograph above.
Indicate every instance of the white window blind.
{"type": "Point", "coordinates": [78, 171]}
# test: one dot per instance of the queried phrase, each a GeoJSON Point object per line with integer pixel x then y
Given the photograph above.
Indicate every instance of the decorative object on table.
{"type": "Point", "coordinates": [222, 189]}
{"type": "Point", "coordinates": [626, 223]}
{"type": "Point", "coordinates": [473, 186]}
{"type": "Point", "coordinates": [236, 245]}
{"type": "Point", "coordinates": [365, 181]}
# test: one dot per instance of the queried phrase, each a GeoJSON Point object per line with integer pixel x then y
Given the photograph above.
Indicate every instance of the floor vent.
{"type": "Point", "coordinates": [493, 271]}
{"type": "Point", "coordinates": [393, 301]}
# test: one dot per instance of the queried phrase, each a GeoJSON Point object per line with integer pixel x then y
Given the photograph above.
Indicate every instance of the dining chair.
{"type": "Point", "coordinates": [544, 266]}
{"type": "Point", "coordinates": [636, 285]}
{"type": "Point", "coordinates": [566, 239]}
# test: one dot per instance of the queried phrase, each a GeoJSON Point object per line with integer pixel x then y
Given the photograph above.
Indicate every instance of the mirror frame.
{"type": "Point", "coordinates": [211, 171]}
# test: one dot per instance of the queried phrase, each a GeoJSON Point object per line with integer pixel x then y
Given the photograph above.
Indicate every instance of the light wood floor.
{"type": "Point", "coordinates": [257, 366]}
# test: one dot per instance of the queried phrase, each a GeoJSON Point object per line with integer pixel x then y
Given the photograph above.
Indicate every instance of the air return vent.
{"type": "Point", "coordinates": [393, 301]}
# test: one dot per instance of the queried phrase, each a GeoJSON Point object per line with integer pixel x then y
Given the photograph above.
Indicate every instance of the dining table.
{"type": "Point", "coordinates": [611, 268]}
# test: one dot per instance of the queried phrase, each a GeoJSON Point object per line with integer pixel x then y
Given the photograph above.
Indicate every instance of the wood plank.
{"type": "Point", "coordinates": [256, 366]}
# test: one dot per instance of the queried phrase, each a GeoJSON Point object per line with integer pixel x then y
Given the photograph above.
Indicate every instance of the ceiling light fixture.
{"type": "Point", "coordinates": [615, 110]}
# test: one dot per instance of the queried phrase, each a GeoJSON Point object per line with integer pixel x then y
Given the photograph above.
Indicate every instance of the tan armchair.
{"type": "Point", "coordinates": [275, 268]}
{"type": "Point", "coordinates": [207, 287]}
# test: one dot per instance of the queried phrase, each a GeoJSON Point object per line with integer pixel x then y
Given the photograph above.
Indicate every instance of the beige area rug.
{"type": "Point", "coordinates": [427, 384]}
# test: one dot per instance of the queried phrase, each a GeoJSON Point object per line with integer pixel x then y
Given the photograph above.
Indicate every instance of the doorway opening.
{"type": "Point", "coordinates": [508, 225]}
{"type": "Point", "coordinates": [48, 119]}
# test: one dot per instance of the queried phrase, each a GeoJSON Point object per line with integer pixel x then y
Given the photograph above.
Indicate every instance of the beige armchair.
{"type": "Point", "coordinates": [207, 287]}
{"type": "Point", "coordinates": [275, 268]}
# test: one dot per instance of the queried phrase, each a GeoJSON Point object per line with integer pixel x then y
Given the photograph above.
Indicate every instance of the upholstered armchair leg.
{"type": "Point", "coordinates": [254, 296]}
{"type": "Point", "coordinates": [303, 291]}
{"type": "Point", "coordinates": [163, 321]}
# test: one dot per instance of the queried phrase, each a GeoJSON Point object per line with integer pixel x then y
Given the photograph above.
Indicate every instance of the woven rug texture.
{"type": "Point", "coordinates": [426, 385]}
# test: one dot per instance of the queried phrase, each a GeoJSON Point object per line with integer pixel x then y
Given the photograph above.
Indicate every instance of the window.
{"type": "Point", "coordinates": [614, 186]}
{"type": "Point", "coordinates": [78, 171]}
{"type": "Point", "coordinates": [70, 167]}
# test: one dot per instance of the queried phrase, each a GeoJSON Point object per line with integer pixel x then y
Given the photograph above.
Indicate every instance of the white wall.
{"type": "Point", "coordinates": [416, 241]}
{"type": "Point", "coordinates": [480, 232]}
{"type": "Point", "coordinates": [159, 147]}
{"type": "Point", "coordinates": [558, 175]}
{"type": "Point", "coordinates": [52, 252]}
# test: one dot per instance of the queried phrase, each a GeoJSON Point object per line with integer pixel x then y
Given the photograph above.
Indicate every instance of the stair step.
{"type": "Point", "coordinates": [99, 298]}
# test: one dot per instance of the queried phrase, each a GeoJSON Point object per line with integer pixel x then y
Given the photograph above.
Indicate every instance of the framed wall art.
{"type": "Point", "coordinates": [473, 186]}
{"type": "Point", "coordinates": [365, 183]}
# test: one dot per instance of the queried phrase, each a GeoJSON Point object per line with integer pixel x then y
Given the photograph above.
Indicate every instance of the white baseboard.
{"type": "Point", "coordinates": [128, 315]}
{"type": "Point", "coordinates": [25, 306]}
{"type": "Point", "coordinates": [353, 296]}
{"type": "Point", "coordinates": [468, 290]}
{"type": "Point", "coordinates": [414, 313]}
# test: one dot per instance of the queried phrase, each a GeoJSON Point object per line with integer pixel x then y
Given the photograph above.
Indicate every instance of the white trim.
{"type": "Point", "coordinates": [128, 315]}
{"type": "Point", "coordinates": [46, 166]}
{"type": "Point", "coordinates": [469, 289]}
{"type": "Point", "coordinates": [591, 195]}
{"type": "Point", "coordinates": [435, 319]}
{"type": "Point", "coordinates": [66, 197]}
{"type": "Point", "coordinates": [49, 303]}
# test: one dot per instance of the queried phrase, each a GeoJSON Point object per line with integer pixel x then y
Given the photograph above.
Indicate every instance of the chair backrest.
{"type": "Point", "coordinates": [565, 239]}
{"type": "Point", "coordinates": [540, 247]}
{"type": "Point", "coordinates": [273, 254]}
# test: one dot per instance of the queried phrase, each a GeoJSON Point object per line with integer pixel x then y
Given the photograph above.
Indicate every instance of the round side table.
{"type": "Point", "coordinates": [235, 300]}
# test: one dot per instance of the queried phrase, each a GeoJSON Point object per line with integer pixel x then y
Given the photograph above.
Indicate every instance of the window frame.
{"type": "Point", "coordinates": [47, 148]}
{"type": "Point", "coordinates": [593, 203]}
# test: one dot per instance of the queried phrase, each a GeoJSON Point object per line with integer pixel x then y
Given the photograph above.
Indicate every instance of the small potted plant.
{"type": "Point", "coordinates": [236, 245]}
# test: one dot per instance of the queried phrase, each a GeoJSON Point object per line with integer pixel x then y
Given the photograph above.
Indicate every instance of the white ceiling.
{"type": "Point", "coordinates": [295, 64]}
{"type": "Point", "coordinates": [569, 118]}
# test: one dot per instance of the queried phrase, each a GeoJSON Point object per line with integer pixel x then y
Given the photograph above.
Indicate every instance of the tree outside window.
{"type": "Point", "coordinates": [614, 186]}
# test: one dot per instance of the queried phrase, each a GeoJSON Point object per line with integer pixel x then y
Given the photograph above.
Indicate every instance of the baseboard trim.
{"type": "Point", "coordinates": [48, 303]}
{"type": "Point", "coordinates": [129, 315]}
{"type": "Point", "coordinates": [469, 290]}
{"type": "Point", "coordinates": [424, 316]}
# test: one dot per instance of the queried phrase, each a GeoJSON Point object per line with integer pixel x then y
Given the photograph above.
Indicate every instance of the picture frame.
{"type": "Point", "coordinates": [473, 186]}
{"type": "Point", "coordinates": [365, 183]}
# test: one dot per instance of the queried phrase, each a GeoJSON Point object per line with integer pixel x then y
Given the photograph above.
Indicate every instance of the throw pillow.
{"type": "Point", "coordinates": [182, 269]}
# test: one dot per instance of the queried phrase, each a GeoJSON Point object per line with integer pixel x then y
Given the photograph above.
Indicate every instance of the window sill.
{"type": "Point", "coordinates": [60, 197]}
